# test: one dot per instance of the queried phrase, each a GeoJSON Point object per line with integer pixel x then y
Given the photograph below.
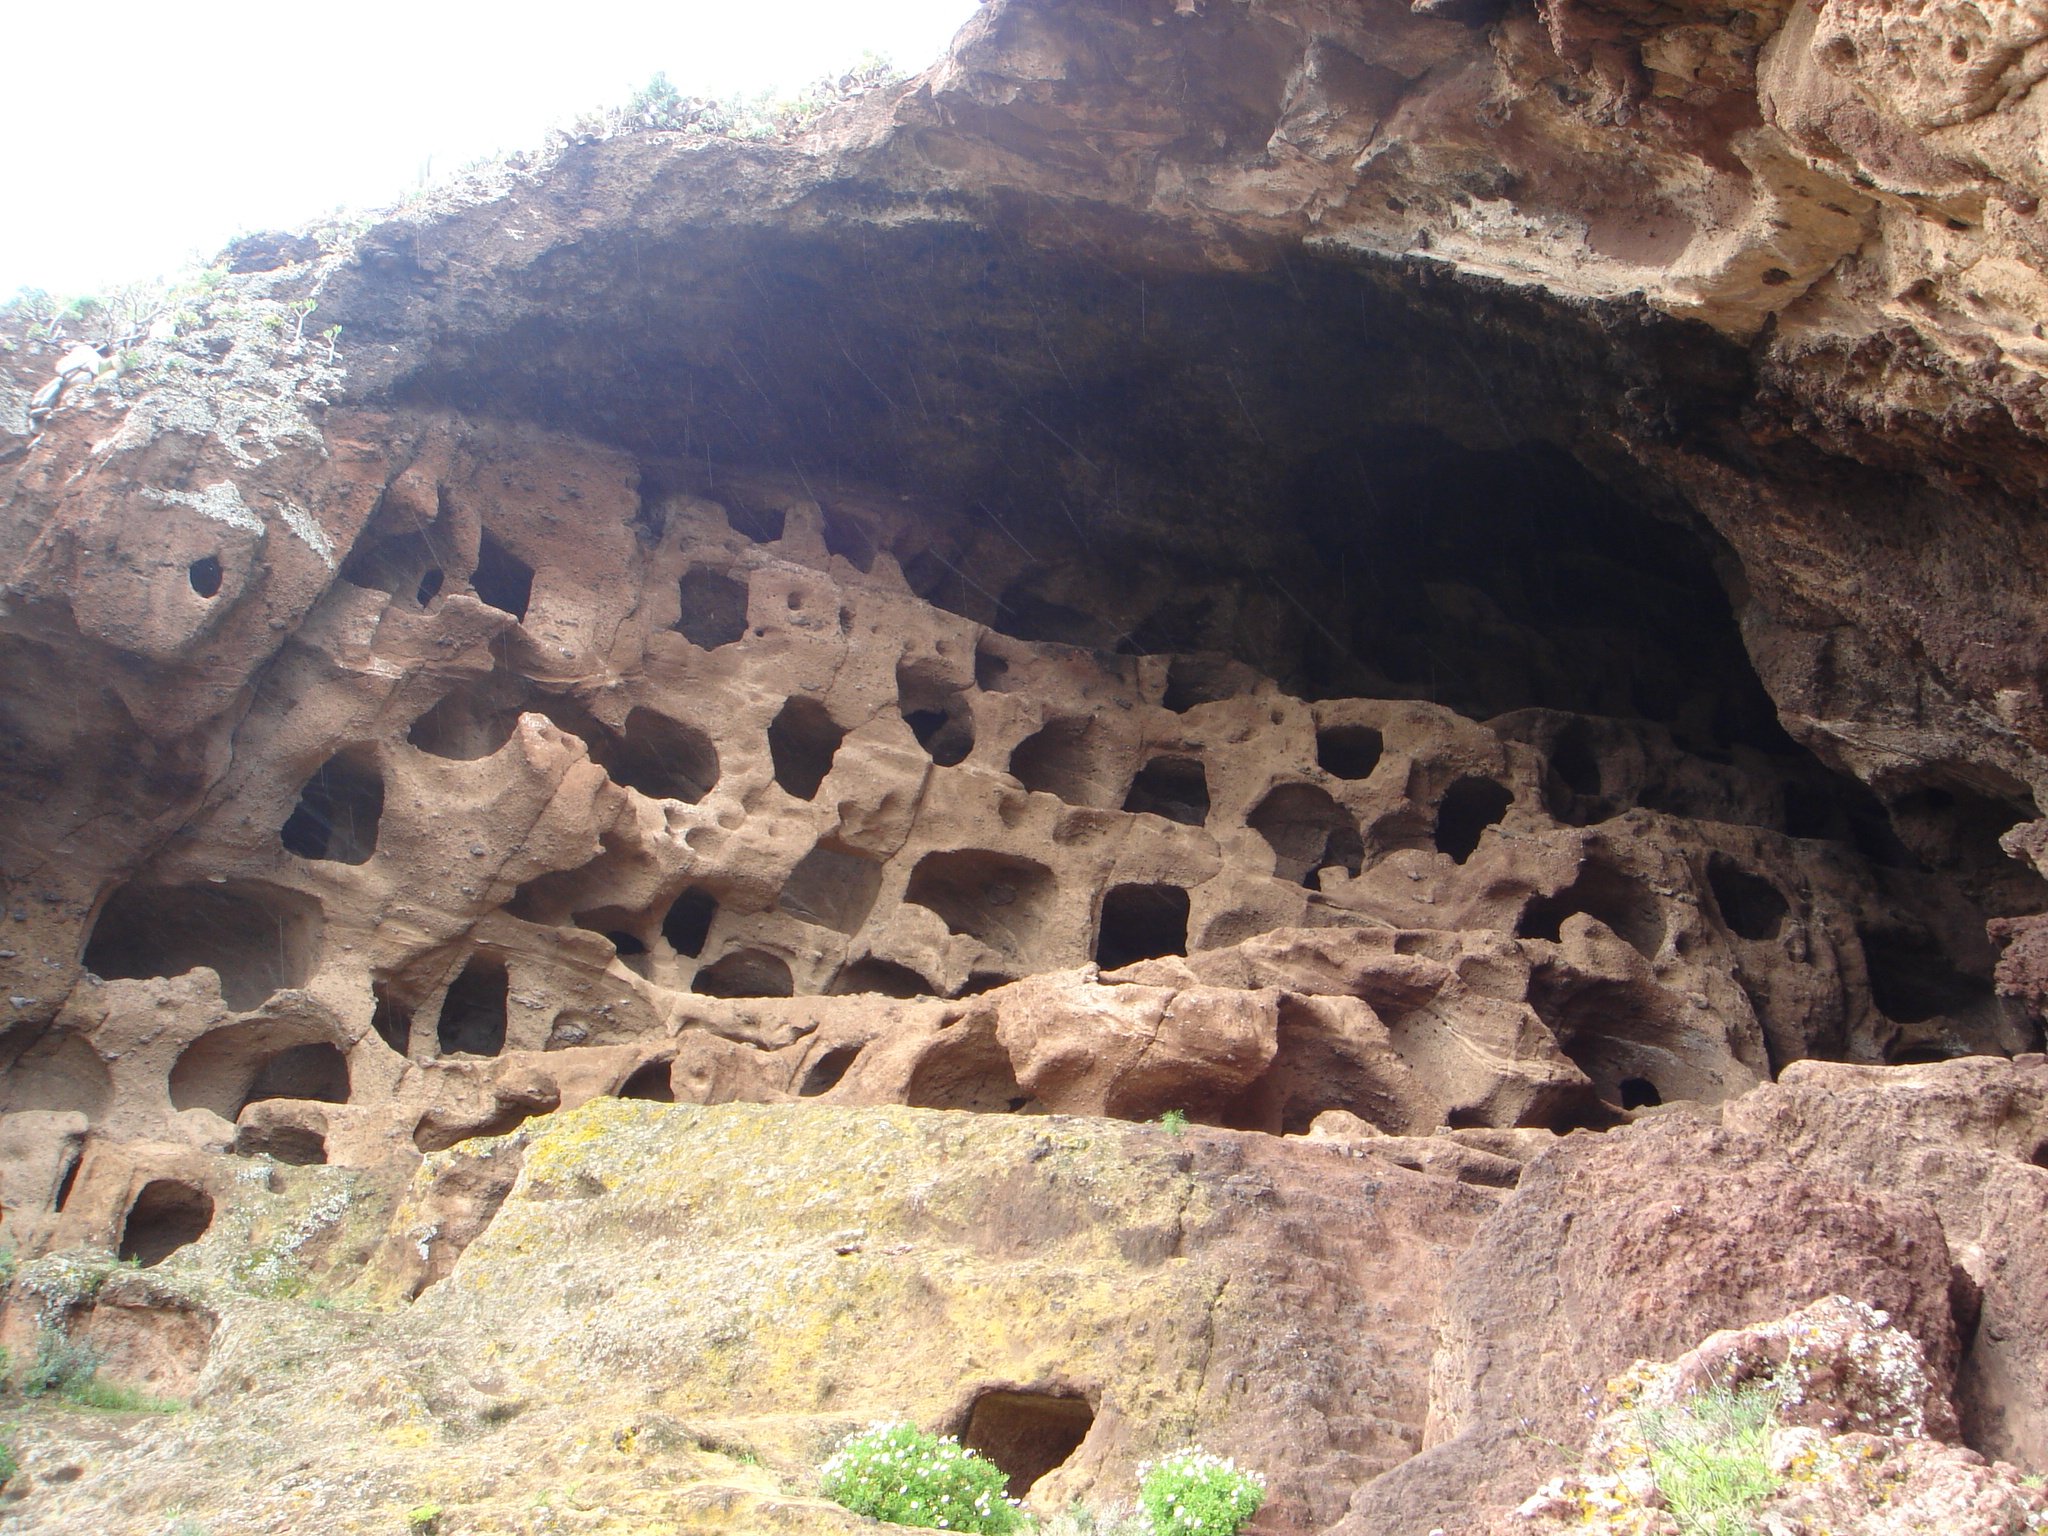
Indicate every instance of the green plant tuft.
{"type": "Point", "coordinates": [898, 1473]}
{"type": "Point", "coordinates": [1711, 1457]}
{"type": "Point", "coordinates": [423, 1519]}
{"type": "Point", "coordinates": [61, 1365]}
{"type": "Point", "coordinates": [8, 1465]}
{"type": "Point", "coordinates": [1175, 1122]}
{"type": "Point", "coordinates": [67, 1369]}
{"type": "Point", "coordinates": [113, 1397]}
{"type": "Point", "coordinates": [1194, 1493]}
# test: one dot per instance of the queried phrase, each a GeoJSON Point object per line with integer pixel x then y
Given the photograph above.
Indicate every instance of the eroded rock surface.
{"type": "Point", "coordinates": [1855, 1440]}
{"type": "Point", "coordinates": [761, 1280]}
{"type": "Point", "coordinates": [1421, 578]}
{"type": "Point", "coordinates": [686, 813]}
{"type": "Point", "coordinates": [1626, 1246]}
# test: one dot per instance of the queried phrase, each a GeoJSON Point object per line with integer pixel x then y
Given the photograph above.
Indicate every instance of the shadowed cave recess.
{"type": "Point", "coordinates": [1333, 481]}
{"type": "Point", "coordinates": [1002, 639]}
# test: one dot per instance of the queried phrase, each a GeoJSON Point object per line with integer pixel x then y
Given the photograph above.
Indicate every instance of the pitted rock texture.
{"type": "Point", "coordinates": [1878, 1184]}
{"type": "Point", "coordinates": [763, 621]}
{"type": "Point", "coordinates": [678, 1309]}
{"type": "Point", "coordinates": [557, 791]}
{"type": "Point", "coordinates": [1421, 577]}
{"type": "Point", "coordinates": [1468, 225]}
{"type": "Point", "coordinates": [1971, 1138]}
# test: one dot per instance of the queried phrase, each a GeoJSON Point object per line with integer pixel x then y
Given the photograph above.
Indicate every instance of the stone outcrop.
{"type": "Point", "coordinates": [1853, 1443]}
{"type": "Point", "coordinates": [687, 1305]}
{"type": "Point", "coordinates": [756, 1281]}
{"type": "Point", "coordinates": [1402, 582]}
{"type": "Point", "coordinates": [1627, 1246]}
{"type": "Point", "coordinates": [683, 812]}
{"type": "Point", "coordinates": [1968, 1138]}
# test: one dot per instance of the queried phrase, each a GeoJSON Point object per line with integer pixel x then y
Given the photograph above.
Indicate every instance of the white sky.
{"type": "Point", "coordinates": [140, 135]}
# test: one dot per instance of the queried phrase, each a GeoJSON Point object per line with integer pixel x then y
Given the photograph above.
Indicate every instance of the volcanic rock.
{"type": "Point", "coordinates": [1446, 592]}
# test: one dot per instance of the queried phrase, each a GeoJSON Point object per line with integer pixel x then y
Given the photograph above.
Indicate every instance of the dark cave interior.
{"type": "Point", "coordinates": [1360, 480]}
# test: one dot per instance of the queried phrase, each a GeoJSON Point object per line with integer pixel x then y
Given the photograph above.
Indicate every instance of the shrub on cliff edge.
{"type": "Point", "coordinates": [898, 1473]}
{"type": "Point", "coordinates": [1193, 1493]}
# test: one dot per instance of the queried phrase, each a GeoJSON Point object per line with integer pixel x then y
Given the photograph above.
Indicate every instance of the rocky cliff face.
{"type": "Point", "coordinates": [1455, 574]}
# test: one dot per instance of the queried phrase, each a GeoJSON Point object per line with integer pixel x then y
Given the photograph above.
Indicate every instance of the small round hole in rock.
{"type": "Point", "coordinates": [205, 575]}
{"type": "Point", "coordinates": [338, 811]}
{"type": "Point", "coordinates": [315, 1070]}
{"type": "Point", "coordinates": [1468, 808]}
{"type": "Point", "coordinates": [1062, 758]}
{"type": "Point", "coordinates": [832, 887]}
{"type": "Point", "coordinates": [850, 541]}
{"type": "Point", "coordinates": [664, 759]}
{"type": "Point", "coordinates": [713, 608]}
{"type": "Point", "coordinates": [430, 585]}
{"type": "Point", "coordinates": [802, 741]}
{"type": "Point", "coordinates": [1307, 831]}
{"type": "Point", "coordinates": [1639, 1093]}
{"type": "Point", "coordinates": [967, 1069]}
{"type": "Point", "coordinates": [824, 1074]}
{"type": "Point", "coordinates": [1609, 896]}
{"type": "Point", "coordinates": [390, 1017]}
{"type": "Point", "coordinates": [47, 1066]}
{"type": "Point", "coordinates": [501, 579]}
{"type": "Point", "coordinates": [1574, 761]}
{"type": "Point", "coordinates": [688, 923]}
{"type": "Point", "coordinates": [884, 978]}
{"type": "Point", "coordinates": [258, 938]}
{"type": "Point", "coordinates": [1349, 751]}
{"type": "Point", "coordinates": [745, 973]}
{"type": "Point", "coordinates": [763, 525]}
{"type": "Point", "coordinates": [166, 1216]}
{"type": "Point", "coordinates": [998, 898]}
{"type": "Point", "coordinates": [991, 672]}
{"type": "Point", "coordinates": [1912, 979]}
{"type": "Point", "coordinates": [299, 1145]}
{"type": "Point", "coordinates": [1176, 788]}
{"type": "Point", "coordinates": [473, 1014]}
{"type": "Point", "coordinates": [1141, 922]}
{"type": "Point", "coordinates": [650, 1081]}
{"type": "Point", "coordinates": [1751, 906]}
{"type": "Point", "coordinates": [1195, 680]}
{"type": "Point", "coordinates": [938, 714]}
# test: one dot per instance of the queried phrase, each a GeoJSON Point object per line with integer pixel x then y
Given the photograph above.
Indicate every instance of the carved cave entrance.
{"type": "Point", "coordinates": [1361, 481]}
{"type": "Point", "coordinates": [1028, 1434]}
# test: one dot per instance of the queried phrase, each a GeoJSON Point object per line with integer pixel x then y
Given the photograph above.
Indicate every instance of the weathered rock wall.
{"type": "Point", "coordinates": [556, 791]}
{"type": "Point", "coordinates": [1463, 574]}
